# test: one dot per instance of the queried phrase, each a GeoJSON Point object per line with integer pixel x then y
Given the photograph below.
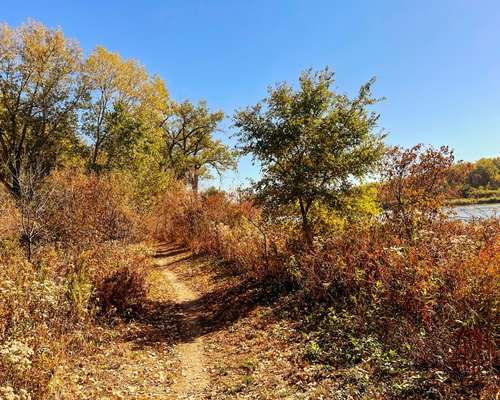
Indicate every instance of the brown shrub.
{"type": "Point", "coordinates": [216, 224]}
{"type": "Point", "coordinates": [118, 275]}
{"type": "Point", "coordinates": [9, 217]}
{"type": "Point", "coordinates": [85, 210]}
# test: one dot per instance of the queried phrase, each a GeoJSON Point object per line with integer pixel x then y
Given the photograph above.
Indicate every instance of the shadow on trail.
{"type": "Point", "coordinates": [170, 322]}
{"type": "Point", "coordinates": [170, 252]}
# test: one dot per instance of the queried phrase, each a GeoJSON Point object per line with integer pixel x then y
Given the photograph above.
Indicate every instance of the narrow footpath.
{"type": "Point", "coordinates": [193, 378]}
{"type": "Point", "coordinates": [160, 355]}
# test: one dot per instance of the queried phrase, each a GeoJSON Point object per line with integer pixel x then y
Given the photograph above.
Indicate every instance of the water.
{"type": "Point", "coordinates": [476, 211]}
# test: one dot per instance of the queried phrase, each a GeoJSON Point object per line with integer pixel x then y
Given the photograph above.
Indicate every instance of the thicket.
{"type": "Point", "coordinates": [406, 293]}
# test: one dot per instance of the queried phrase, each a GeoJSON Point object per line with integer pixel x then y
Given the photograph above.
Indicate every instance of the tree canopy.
{"type": "Point", "coordinates": [103, 111]}
{"type": "Point", "coordinates": [485, 173]}
{"type": "Point", "coordinates": [40, 91]}
{"type": "Point", "coordinates": [120, 90]}
{"type": "Point", "coordinates": [312, 143]}
{"type": "Point", "coordinates": [191, 151]}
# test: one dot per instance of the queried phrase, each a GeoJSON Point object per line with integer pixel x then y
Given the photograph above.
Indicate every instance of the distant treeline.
{"type": "Point", "coordinates": [476, 182]}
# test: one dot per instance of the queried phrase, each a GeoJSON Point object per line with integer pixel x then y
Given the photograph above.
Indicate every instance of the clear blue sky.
{"type": "Point", "coordinates": [437, 61]}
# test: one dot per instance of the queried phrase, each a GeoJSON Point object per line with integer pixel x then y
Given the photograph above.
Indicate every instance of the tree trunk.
{"type": "Point", "coordinates": [195, 181]}
{"type": "Point", "coordinates": [306, 226]}
{"type": "Point", "coordinates": [307, 231]}
{"type": "Point", "coordinates": [15, 189]}
{"type": "Point", "coordinates": [93, 161]}
{"type": "Point", "coordinates": [15, 172]}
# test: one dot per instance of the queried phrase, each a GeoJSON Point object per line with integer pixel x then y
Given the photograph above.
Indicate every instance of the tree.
{"type": "Point", "coordinates": [40, 91]}
{"type": "Point", "coordinates": [312, 144]}
{"type": "Point", "coordinates": [122, 98]}
{"type": "Point", "coordinates": [123, 134]}
{"type": "Point", "coordinates": [190, 149]}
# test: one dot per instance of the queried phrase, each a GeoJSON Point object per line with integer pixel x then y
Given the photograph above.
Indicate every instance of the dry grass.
{"type": "Point", "coordinates": [372, 311]}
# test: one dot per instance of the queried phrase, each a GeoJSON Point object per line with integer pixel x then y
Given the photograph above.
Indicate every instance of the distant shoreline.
{"type": "Point", "coordinates": [473, 201]}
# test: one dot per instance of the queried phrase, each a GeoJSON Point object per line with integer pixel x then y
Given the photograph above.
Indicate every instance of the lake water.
{"type": "Point", "coordinates": [476, 211]}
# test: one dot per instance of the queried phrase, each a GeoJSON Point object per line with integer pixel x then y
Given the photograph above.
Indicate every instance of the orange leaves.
{"type": "Point", "coordinates": [415, 185]}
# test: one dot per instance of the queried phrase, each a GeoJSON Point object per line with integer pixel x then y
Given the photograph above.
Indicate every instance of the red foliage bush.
{"type": "Point", "coordinates": [415, 186]}
{"type": "Point", "coordinates": [445, 282]}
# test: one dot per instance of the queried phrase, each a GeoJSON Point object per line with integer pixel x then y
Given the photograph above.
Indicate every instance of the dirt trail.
{"type": "Point", "coordinates": [160, 355]}
{"type": "Point", "coordinates": [193, 378]}
{"type": "Point", "coordinates": [202, 333]}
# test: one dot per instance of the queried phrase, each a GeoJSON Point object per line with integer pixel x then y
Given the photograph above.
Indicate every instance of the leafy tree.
{"type": "Point", "coordinates": [40, 91]}
{"type": "Point", "coordinates": [123, 98]}
{"type": "Point", "coordinates": [190, 149]}
{"type": "Point", "coordinates": [123, 134]}
{"type": "Point", "coordinates": [312, 144]}
{"type": "Point", "coordinates": [132, 147]}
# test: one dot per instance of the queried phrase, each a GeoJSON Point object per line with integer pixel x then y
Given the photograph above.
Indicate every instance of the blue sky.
{"type": "Point", "coordinates": [436, 62]}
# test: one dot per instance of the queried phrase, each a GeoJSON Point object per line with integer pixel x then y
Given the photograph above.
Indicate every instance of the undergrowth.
{"type": "Point", "coordinates": [412, 309]}
{"type": "Point", "coordinates": [83, 271]}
